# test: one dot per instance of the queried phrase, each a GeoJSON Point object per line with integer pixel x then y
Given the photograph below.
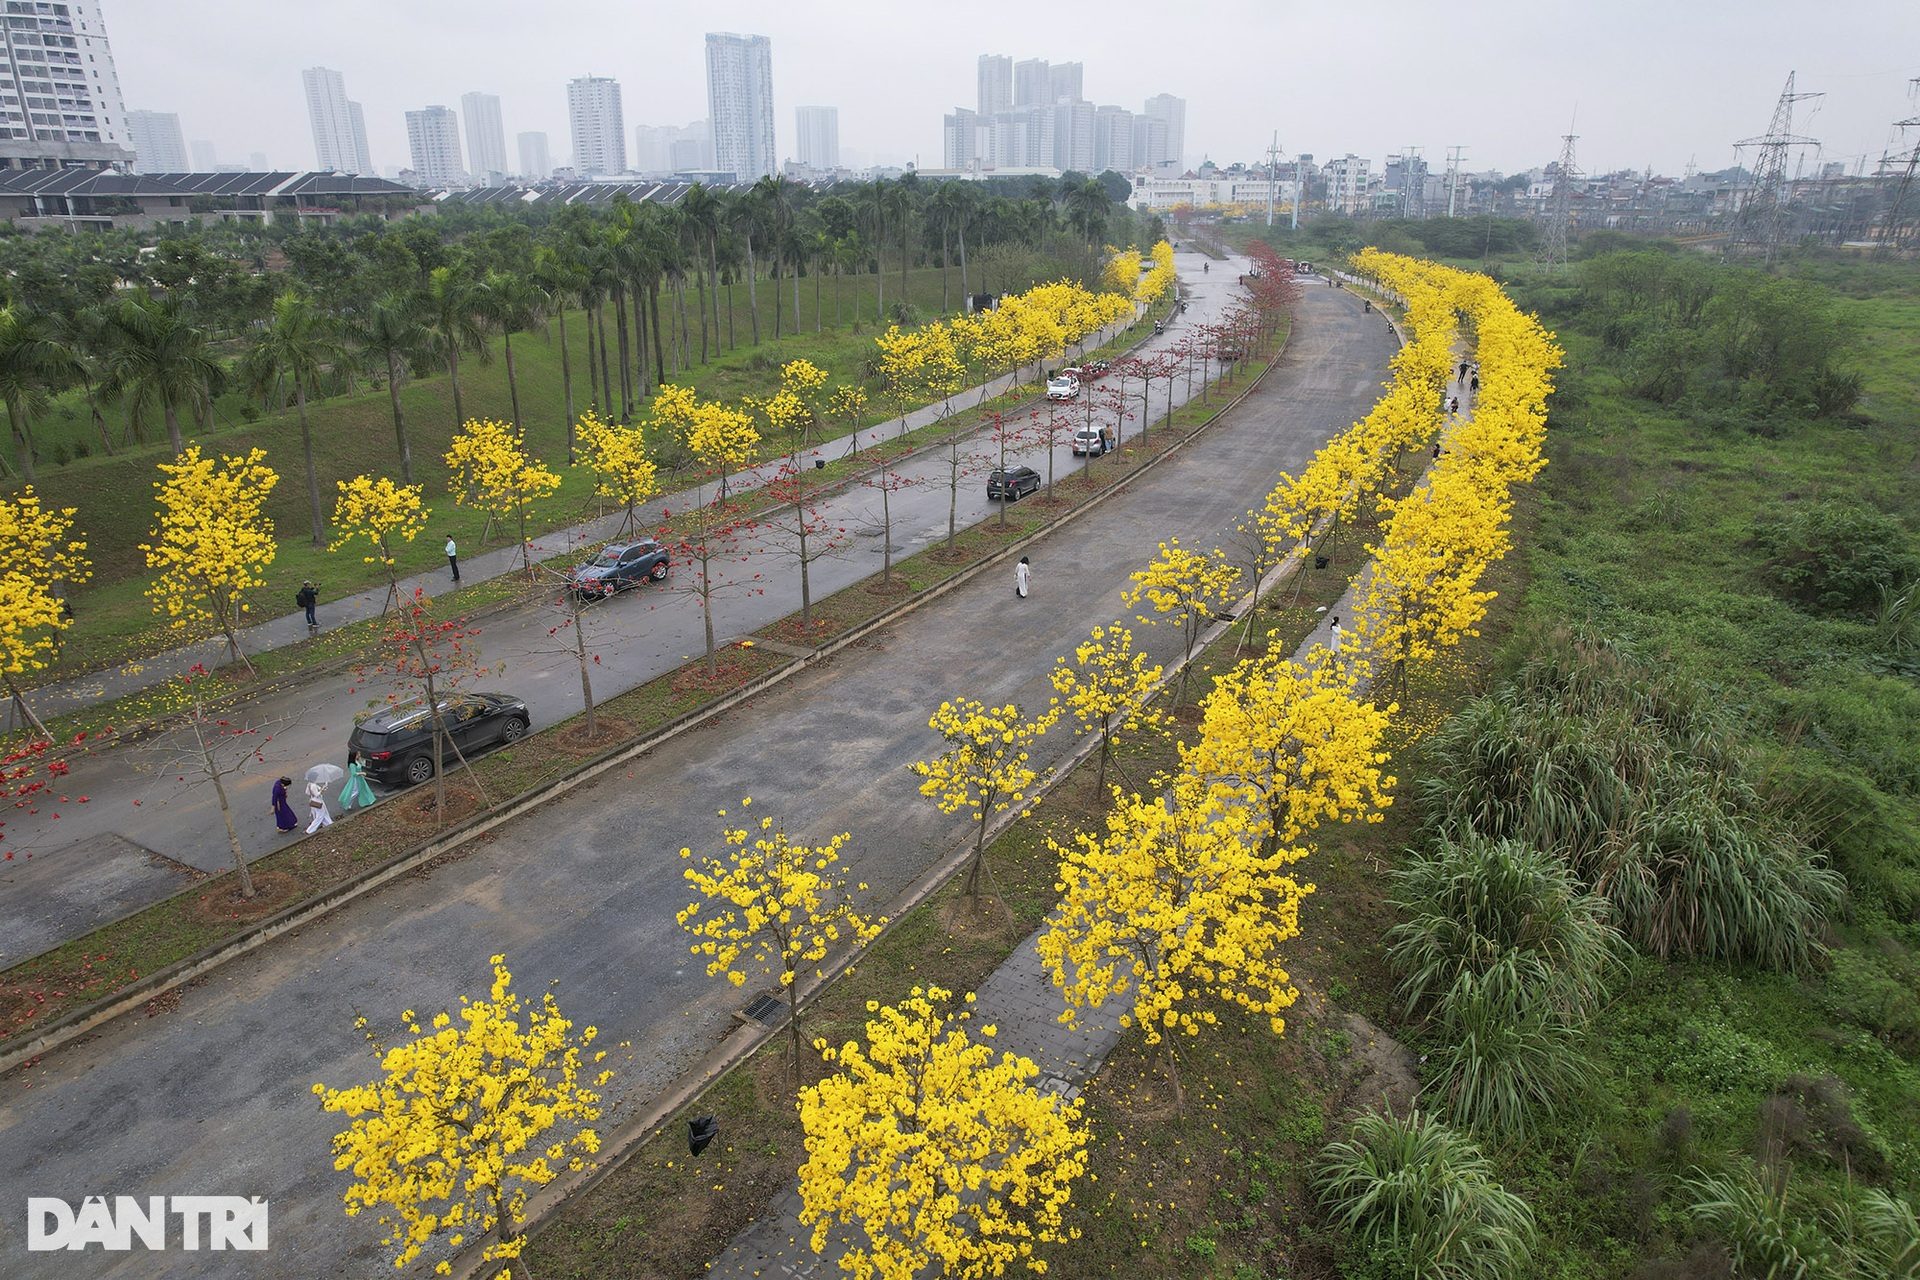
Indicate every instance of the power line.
{"type": "Point", "coordinates": [1762, 216]}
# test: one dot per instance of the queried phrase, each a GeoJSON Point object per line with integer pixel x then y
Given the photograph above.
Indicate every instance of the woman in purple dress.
{"type": "Point", "coordinates": [283, 815]}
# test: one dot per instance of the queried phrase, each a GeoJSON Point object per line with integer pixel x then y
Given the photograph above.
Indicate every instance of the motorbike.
{"type": "Point", "coordinates": [1158, 327]}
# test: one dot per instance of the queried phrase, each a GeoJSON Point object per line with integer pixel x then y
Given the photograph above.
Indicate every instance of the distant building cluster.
{"type": "Point", "coordinates": [1032, 117]}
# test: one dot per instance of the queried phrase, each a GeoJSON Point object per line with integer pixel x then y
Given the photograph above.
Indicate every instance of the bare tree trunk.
{"type": "Point", "coordinates": [313, 477]}
{"type": "Point", "coordinates": [586, 681]}
{"type": "Point", "coordinates": [659, 356]}
{"type": "Point", "coordinates": [566, 382]}
{"type": "Point", "coordinates": [20, 701]}
{"type": "Point", "coordinates": [212, 767]}
{"type": "Point", "coordinates": [399, 421]}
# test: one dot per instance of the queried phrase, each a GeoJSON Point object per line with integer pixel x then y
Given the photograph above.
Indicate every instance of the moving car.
{"type": "Point", "coordinates": [1063, 387]}
{"type": "Point", "coordinates": [1013, 483]}
{"type": "Point", "coordinates": [397, 742]}
{"type": "Point", "coordinates": [1093, 440]}
{"type": "Point", "coordinates": [1094, 369]}
{"type": "Point", "coordinates": [619, 566]}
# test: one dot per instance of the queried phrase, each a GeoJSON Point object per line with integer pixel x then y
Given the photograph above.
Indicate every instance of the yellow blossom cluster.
{"type": "Point", "coordinates": [467, 1121]}
{"type": "Point", "coordinates": [214, 541]}
{"type": "Point", "coordinates": [490, 469]}
{"type": "Point", "coordinates": [40, 557]}
{"type": "Point", "coordinates": [382, 512]}
{"type": "Point", "coordinates": [623, 473]}
{"type": "Point", "coordinates": [941, 1158]}
{"type": "Point", "coordinates": [986, 766]}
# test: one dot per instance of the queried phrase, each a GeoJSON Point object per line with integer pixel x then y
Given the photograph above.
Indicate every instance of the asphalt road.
{"type": "Point", "coordinates": [151, 821]}
{"type": "Point", "coordinates": [212, 1097]}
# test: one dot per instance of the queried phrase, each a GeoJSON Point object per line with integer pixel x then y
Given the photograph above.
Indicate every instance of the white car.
{"type": "Point", "coordinates": [1063, 387]}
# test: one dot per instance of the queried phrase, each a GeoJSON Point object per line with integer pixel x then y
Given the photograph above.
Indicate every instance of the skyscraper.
{"type": "Point", "coordinates": [818, 143]}
{"type": "Point", "coordinates": [59, 93]}
{"type": "Point", "coordinates": [433, 138]}
{"type": "Point", "coordinates": [959, 135]}
{"type": "Point", "coordinates": [486, 138]}
{"type": "Point", "coordinates": [1073, 136]}
{"type": "Point", "coordinates": [599, 125]}
{"type": "Point", "coordinates": [534, 161]}
{"type": "Point", "coordinates": [158, 144]}
{"type": "Point", "coordinates": [1063, 81]}
{"type": "Point", "coordinates": [996, 84]}
{"type": "Point", "coordinates": [205, 158]}
{"type": "Point", "coordinates": [740, 97]}
{"type": "Point", "coordinates": [1032, 83]}
{"type": "Point", "coordinates": [1164, 106]}
{"type": "Point", "coordinates": [1113, 140]}
{"type": "Point", "coordinates": [339, 128]}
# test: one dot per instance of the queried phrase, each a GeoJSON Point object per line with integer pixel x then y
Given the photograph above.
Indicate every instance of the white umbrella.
{"type": "Point", "coordinates": [326, 774]}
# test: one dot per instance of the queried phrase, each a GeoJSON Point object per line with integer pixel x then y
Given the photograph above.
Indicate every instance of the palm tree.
{"type": "Point", "coordinates": [391, 332]}
{"type": "Point", "coordinates": [453, 311]}
{"type": "Point", "coordinates": [874, 211]}
{"type": "Point", "coordinates": [157, 357]}
{"type": "Point", "coordinates": [748, 216]}
{"type": "Point", "coordinates": [512, 305]}
{"type": "Point", "coordinates": [297, 344]}
{"type": "Point", "coordinates": [559, 277]}
{"type": "Point", "coordinates": [949, 202]}
{"type": "Point", "coordinates": [33, 361]}
{"type": "Point", "coordinates": [86, 334]}
{"type": "Point", "coordinates": [1087, 207]}
{"type": "Point", "coordinates": [903, 199]}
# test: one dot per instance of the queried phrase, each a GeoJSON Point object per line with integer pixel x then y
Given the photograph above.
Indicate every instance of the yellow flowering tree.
{"type": "Point", "coordinates": [940, 1158]}
{"type": "Point", "coordinates": [1294, 742]}
{"type": "Point", "coordinates": [467, 1121]}
{"type": "Point", "coordinates": [40, 557]}
{"type": "Point", "coordinates": [722, 438]}
{"type": "Point", "coordinates": [902, 362]}
{"type": "Point", "coordinates": [491, 471]}
{"type": "Point", "coordinates": [383, 514]}
{"type": "Point", "coordinates": [623, 473]}
{"type": "Point", "coordinates": [1185, 588]}
{"type": "Point", "coordinates": [1108, 688]}
{"type": "Point", "coordinates": [847, 404]}
{"type": "Point", "coordinates": [774, 905]}
{"type": "Point", "coordinates": [985, 767]}
{"type": "Point", "coordinates": [214, 542]}
{"type": "Point", "coordinates": [801, 382]}
{"type": "Point", "coordinates": [1177, 909]}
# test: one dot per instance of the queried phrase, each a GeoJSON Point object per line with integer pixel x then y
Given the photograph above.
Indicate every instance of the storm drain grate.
{"type": "Point", "coordinates": [766, 1008]}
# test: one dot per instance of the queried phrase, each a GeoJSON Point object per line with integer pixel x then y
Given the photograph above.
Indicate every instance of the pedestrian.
{"type": "Point", "coordinates": [283, 815]}
{"type": "Point", "coordinates": [1473, 384]}
{"type": "Point", "coordinates": [307, 597]}
{"type": "Point", "coordinates": [1463, 371]}
{"type": "Point", "coordinates": [1022, 577]}
{"type": "Point", "coordinates": [1436, 451]}
{"type": "Point", "coordinates": [1455, 406]}
{"type": "Point", "coordinates": [453, 559]}
{"type": "Point", "coordinates": [356, 791]}
{"type": "Point", "coordinates": [1334, 636]}
{"type": "Point", "coordinates": [317, 806]}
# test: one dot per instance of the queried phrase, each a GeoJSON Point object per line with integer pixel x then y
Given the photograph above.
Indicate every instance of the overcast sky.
{"type": "Point", "coordinates": [1653, 82]}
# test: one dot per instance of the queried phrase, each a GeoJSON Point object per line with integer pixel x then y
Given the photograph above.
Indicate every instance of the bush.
{"type": "Point", "coordinates": [1836, 556]}
{"type": "Point", "coordinates": [1511, 1054]}
{"type": "Point", "coordinates": [1423, 1191]}
{"type": "Point", "coordinates": [1763, 1234]}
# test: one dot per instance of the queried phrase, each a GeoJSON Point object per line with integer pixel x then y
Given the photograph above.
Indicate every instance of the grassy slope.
{"type": "Point", "coordinates": [353, 434]}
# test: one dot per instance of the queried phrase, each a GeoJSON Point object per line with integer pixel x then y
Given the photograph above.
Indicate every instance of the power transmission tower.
{"type": "Point", "coordinates": [1560, 205]}
{"type": "Point", "coordinates": [1763, 213]}
{"type": "Point", "coordinates": [1453, 174]}
{"type": "Point", "coordinates": [1899, 227]}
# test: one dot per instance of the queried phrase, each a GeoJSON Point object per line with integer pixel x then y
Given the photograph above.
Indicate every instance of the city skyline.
{"type": "Point", "coordinates": [1635, 102]}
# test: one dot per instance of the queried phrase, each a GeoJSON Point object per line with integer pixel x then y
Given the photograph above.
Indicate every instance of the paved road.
{"type": "Point", "coordinates": [149, 825]}
{"type": "Point", "coordinates": [211, 1097]}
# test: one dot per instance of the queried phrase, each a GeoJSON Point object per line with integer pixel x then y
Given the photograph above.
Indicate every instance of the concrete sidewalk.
{"type": "Point", "coordinates": [74, 694]}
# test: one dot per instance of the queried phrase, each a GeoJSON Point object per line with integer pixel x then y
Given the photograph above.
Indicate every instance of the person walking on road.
{"type": "Point", "coordinates": [356, 791]}
{"type": "Point", "coordinates": [1334, 637]}
{"type": "Point", "coordinates": [453, 559]}
{"type": "Point", "coordinates": [1022, 577]}
{"type": "Point", "coordinates": [283, 815]}
{"type": "Point", "coordinates": [307, 597]}
{"type": "Point", "coordinates": [317, 806]}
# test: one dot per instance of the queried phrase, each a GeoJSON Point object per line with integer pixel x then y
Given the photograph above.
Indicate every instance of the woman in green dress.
{"type": "Point", "coordinates": [356, 790]}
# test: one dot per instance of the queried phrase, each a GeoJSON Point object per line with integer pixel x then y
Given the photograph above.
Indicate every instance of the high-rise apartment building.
{"type": "Point", "coordinates": [1113, 140]}
{"type": "Point", "coordinates": [535, 163]}
{"type": "Point", "coordinates": [818, 143]}
{"type": "Point", "coordinates": [1063, 81]}
{"type": "Point", "coordinates": [599, 125]}
{"type": "Point", "coordinates": [486, 137]}
{"type": "Point", "coordinates": [59, 92]}
{"type": "Point", "coordinates": [996, 84]}
{"type": "Point", "coordinates": [1149, 142]}
{"type": "Point", "coordinates": [339, 126]}
{"type": "Point", "coordinates": [1347, 182]}
{"type": "Point", "coordinates": [1032, 84]}
{"type": "Point", "coordinates": [1073, 136]}
{"type": "Point", "coordinates": [959, 134]}
{"type": "Point", "coordinates": [1164, 106]}
{"type": "Point", "coordinates": [433, 139]}
{"type": "Point", "coordinates": [692, 150]}
{"type": "Point", "coordinates": [206, 158]}
{"type": "Point", "coordinates": [158, 144]}
{"type": "Point", "coordinates": [740, 98]}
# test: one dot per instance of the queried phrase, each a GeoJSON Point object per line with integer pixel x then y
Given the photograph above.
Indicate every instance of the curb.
{"type": "Point", "coordinates": [81, 1021]}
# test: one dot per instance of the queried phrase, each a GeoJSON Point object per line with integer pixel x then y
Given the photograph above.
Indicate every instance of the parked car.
{"type": "Point", "coordinates": [619, 566]}
{"type": "Point", "coordinates": [1012, 484]}
{"type": "Point", "coordinates": [1094, 369]}
{"type": "Point", "coordinates": [1063, 387]}
{"type": "Point", "coordinates": [397, 743]}
{"type": "Point", "coordinates": [1093, 440]}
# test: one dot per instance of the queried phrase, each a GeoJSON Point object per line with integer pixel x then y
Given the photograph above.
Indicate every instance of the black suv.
{"type": "Point", "coordinates": [397, 743]}
{"type": "Point", "coordinates": [1013, 483]}
{"type": "Point", "coordinates": [619, 566]}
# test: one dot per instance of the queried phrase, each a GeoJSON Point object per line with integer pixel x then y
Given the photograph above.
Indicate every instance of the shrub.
{"type": "Point", "coordinates": [1419, 1189]}
{"type": "Point", "coordinates": [1764, 1234]}
{"type": "Point", "coordinates": [1835, 556]}
{"type": "Point", "coordinates": [1487, 910]}
{"type": "Point", "coordinates": [1511, 1054]}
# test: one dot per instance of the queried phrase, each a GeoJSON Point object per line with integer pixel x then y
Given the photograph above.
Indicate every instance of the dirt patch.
{"type": "Point", "coordinates": [417, 806]}
{"type": "Point", "coordinates": [575, 741]}
{"type": "Point", "coordinates": [897, 587]}
{"type": "Point", "coordinates": [989, 918]}
{"type": "Point", "coordinates": [222, 902]}
{"type": "Point", "coordinates": [1379, 1071]}
{"type": "Point", "coordinates": [729, 670]}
